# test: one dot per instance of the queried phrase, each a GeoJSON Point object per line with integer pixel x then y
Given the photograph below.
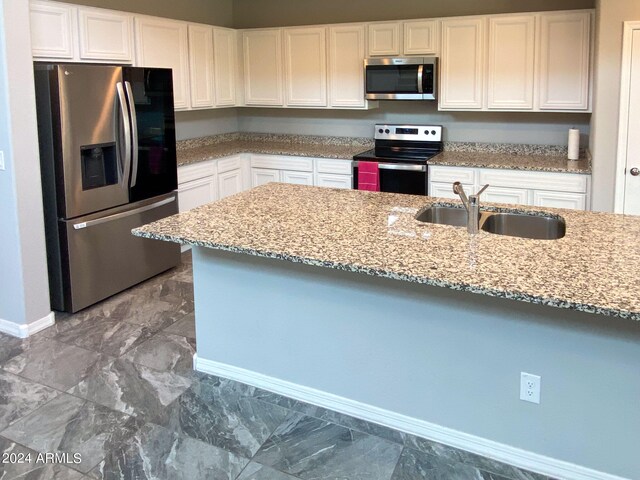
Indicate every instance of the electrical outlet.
{"type": "Point", "coordinates": [529, 387]}
{"type": "Point", "coordinates": [1, 160]}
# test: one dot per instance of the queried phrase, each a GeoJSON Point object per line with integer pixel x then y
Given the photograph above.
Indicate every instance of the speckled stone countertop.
{"type": "Point", "coordinates": [295, 145]}
{"type": "Point", "coordinates": [594, 268]}
{"type": "Point", "coordinates": [544, 163]}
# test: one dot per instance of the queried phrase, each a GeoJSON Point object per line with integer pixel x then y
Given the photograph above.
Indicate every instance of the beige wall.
{"type": "Point", "coordinates": [212, 12]}
{"type": "Point", "coordinates": [269, 13]}
{"type": "Point", "coordinates": [610, 15]}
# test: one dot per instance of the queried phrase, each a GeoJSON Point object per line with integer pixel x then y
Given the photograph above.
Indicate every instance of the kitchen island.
{"type": "Point", "coordinates": [374, 334]}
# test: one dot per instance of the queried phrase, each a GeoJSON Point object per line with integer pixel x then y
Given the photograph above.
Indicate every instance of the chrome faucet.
{"type": "Point", "coordinates": [472, 205]}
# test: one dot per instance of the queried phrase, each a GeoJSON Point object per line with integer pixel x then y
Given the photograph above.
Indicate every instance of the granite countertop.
{"type": "Point", "coordinates": [544, 163]}
{"type": "Point", "coordinates": [593, 268]}
{"type": "Point", "coordinates": [295, 145]}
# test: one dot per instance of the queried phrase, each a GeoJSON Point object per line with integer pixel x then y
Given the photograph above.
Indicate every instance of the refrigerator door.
{"type": "Point", "coordinates": [93, 138]}
{"type": "Point", "coordinates": [150, 97]}
{"type": "Point", "coordinates": [104, 258]}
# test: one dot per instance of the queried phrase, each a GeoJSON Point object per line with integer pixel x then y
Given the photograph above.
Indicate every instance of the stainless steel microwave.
{"type": "Point", "coordinates": [401, 78]}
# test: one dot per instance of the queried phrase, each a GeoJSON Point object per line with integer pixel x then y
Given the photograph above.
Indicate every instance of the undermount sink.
{"type": "Point", "coordinates": [525, 226]}
{"type": "Point", "coordinates": [536, 227]}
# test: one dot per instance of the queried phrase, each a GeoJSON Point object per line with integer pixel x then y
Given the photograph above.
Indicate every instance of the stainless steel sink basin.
{"type": "Point", "coordinates": [456, 217]}
{"type": "Point", "coordinates": [525, 226]}
{"type": "Point", "coordinates": [511, 224]}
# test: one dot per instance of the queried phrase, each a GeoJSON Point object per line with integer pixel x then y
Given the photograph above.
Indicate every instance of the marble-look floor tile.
{"type": "Point", "coordinates": [311, 448]}
{"type": "Point", "coordinates": [133, 389]}
{"type": "Point", "coordinates": [168, 353]}
{"type": "Point", "coordinates": [455, 455]}
{"type": "Point", "coordinates": [213, 413]}
{"type": "Point", "coordinates": [19, 396]}
{"type": "Point", "coordinates": [415, 465]}
{"type": "Point", "coordinates": [112, 337]}
{"type": "Point", "coordinates": [11, 347]}
{"type": "Point", "coordinates": [360, 425]}
{"type": "Point", "coordinates": [185, 327]}
{"type": "Point", "coordinates": [157, 453]}
{"type": "Point", "coordinates": [256, 471]}
{"type": "Point", "coordinates": [28, 465]}
{"type": "Point", "coordinates": [55, 364]}
{"type": "Point", "coordinates": [71, 425]}
{"type": "Point", "coordinates": [177, 294]}
{"type": "Point", "coordinates": [286, 402]}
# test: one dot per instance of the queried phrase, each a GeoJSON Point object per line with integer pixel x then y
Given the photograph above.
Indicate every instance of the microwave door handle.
{"type": "Point", "coordinates": [420, 72]}
{"type": "Point", "coordinates": [402, 166]}
{"type": "Point", "coordinates": [134, 134]}
{"type": "Point", "coordinates": [126, 125]}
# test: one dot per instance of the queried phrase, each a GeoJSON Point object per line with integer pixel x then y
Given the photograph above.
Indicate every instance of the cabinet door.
{"type": "Point", "coordinates": [201, 66]}
{"type": "Point", "coordinates": [333, 181]}
{"type": "Point", "coordinates": [52, 30]}
{"type": "Point", "coordinates": [420, 37]}
{"type": "Point", "coordinates": [564, 60]}
{"type": "Point", "coordinates": [261, 176]}
{"type": "Point", "coordinates": [298, 178]}
{"type": "Point", "coordinates": [346, 72]}
{"type": "Point", "coordinates": [384, 38]}
{"type": "Point", "coordinates": [511, 62]}
{"type": "Point", "coordinates": [229, 183]}
{"type": "Point", "coordinates": [305, 60]}
{"type": "Point", "coordinates": [224, 61]}
{"type": "Point", "coordinates": [519, 196]}
{"type": "Point", "coordinates": [197, 192]}
{"type": "Point", "coordinates": [105, 35]}
{"type": "Point", "coordinates": [263, 66]}
{"type": "Point", "coordinates": [164, 43]}
{"type": "Point", "coordinates": [462, 65]}
{"type": "Point", "coordinates": [576, 201]}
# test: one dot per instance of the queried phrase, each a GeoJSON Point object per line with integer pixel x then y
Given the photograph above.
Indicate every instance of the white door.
{"type": "Point", "coordinates": [105, 35]}
{"type": "Point", "coordinates": [263, 66]}
{"type": "Point", "coordinates": [420, 37]}
{"type": "Point", "coordinates": [305, 60]}
{"type": "Point", "coordinates": [384, 38]}
{"type": "Point", "coordinates": [201, 66]}
{"type": "Point", "coordinates": [262, 176]}
{"type": "Point", "coordinates": [229, 183]}
{"type": "Point", "coordinates": [224, 59]}
{"type": "Point", "coordinates": [346, 75]}
{"type": "Point", "coordinates": [52, 30]}
{"type": "Point", "coordinates": [628, 169]}
{"type": "Point", "coordinates": [197, 192]}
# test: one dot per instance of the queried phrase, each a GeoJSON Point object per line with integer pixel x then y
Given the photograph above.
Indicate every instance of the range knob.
{"type": "Point", "coordinates": [386, 130]}
{"type": "Point", "coordinates": [426, 132]}
{"type": "Point", "coordinates": [433, 132]}
{"type": "Point", "coordinates": [380, 130]}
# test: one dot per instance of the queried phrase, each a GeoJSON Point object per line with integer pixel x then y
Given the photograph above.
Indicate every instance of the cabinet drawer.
{"type": "Point", "coordinates": [560, 182]}
{"type": "Point", "coordinates": [518, 196]}
{"type": "Point", "coordinates": [299, 164]}
{"type": "Point", "coordinates": [445, 190]}
{"type": "Point", "coordinates": [452, 174]}
{"type": "Point", "coordinates": [333, 181]}
{"type": "Point", "coordinates": [187, 173]}
{"type": "Point", "coordinates": [229, 163]}
{"type": "Point", "coordinates": [576, 201]}
{"type": "Point", "coordinates": [341, 167]}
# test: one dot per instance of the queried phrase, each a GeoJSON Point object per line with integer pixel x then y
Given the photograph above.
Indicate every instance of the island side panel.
{"type": "Point", "coordinates": [432, 354]}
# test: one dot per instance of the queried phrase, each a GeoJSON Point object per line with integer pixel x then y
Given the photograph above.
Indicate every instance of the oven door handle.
{"type": "Point", "coordinates": [402, 166]}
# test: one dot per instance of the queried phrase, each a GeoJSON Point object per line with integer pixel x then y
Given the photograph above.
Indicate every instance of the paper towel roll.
{"type": "Point", "coordinates": [574, 144]}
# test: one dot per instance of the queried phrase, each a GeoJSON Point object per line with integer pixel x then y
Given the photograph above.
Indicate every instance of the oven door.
{"type": "Point", "coordinates": [400, 78]}
{"type": "Point", "coordinates": [406, 178]}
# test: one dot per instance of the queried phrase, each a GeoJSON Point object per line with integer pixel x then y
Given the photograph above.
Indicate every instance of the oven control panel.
{"type": "Point", "coordinates": [417, 133]}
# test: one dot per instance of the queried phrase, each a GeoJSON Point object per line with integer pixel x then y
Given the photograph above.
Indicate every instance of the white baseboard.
{"type": "Point", "coordinates": [23, 330]}
{"type": "Point", "coordinates": [481, 446]}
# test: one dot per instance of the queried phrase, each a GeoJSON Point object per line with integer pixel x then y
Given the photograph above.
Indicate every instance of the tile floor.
{"type": "Point", "coordinates": [112, 392]}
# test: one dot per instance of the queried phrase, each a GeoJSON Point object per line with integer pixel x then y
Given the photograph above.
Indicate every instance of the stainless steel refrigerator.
{"type": "Point", "coordinates": [108, 162]}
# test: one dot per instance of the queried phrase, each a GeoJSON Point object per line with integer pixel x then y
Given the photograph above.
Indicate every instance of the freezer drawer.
{"type": "Point", "coordinates": [104, 258]}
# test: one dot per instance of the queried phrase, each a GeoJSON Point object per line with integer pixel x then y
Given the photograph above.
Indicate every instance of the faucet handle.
{"type": "Point", "coordinates": [482, 190]}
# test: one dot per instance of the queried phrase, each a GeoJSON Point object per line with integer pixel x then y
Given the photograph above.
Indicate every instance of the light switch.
{"type": "Point", "coordinates": [1, 160]}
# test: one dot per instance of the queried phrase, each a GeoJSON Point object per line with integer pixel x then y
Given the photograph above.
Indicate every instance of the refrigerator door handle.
{"type": "Point", "coordinates": [134, 136]}
{"type": "Point", "coordinates": [126, 123]}
{"type": "Point", "coordinates": [115, 216]}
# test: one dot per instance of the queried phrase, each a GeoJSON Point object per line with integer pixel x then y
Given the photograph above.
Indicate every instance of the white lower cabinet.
{"type": "Point", "coordinates": [331, 180]}
{"type": "Point", "coordinates": [541, 189]}
{"type": "Point", "coordinates": [197, 192]}
{"type": "Point", "coordinates": [297, 178]}
{"type": "Point", "coordinates": [262, 176]}
{"type": "Point", "coordinates": [230, 183]}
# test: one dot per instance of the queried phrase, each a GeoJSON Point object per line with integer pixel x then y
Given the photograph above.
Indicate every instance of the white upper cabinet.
{"type": "Point", "coordinates": [53, 30]}
{"type": "Point", "coordinates": [165, 43]}
{"type": "Point", "coordinates": [565, 60]}
{"type": "Point", "coordinates": [421, 37]}
{"type": "Point", "coordinates": [225, 66]}
{"type": "Point", "coordinates": [384, 39]}
{"type": "Point", "coordinates": [346, 72]}
{"type": "Point", "coordinates": [511, 62]}
{"type": "Point", "coordinates": [305, 60]}
{"type": "Point", "coordinates": [201, 66]}
{"type": "Point", "coordinates": [105, 36]}
{"type": "Point", "coordinates": [262, 51]}
{"type": "Point", "coordinates": [462, 64]}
